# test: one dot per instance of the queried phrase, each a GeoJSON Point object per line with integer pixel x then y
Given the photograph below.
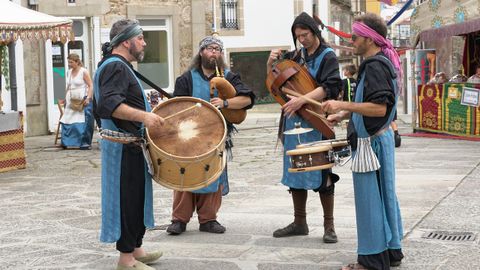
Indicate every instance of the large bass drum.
{"type": "Point", "coordinates": [188, 151]}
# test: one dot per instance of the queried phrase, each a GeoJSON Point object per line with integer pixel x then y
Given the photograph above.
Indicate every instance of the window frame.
{"type": "Point", "coordinates": [168, 29]}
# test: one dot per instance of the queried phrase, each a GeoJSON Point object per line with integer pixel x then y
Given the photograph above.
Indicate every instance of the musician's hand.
{"type": "Point", "coordinates": [217, 102]}
{"type": "Point", "coordinates": [332, 106]}
{"type": "Point", "coordinates": [274, 55]}
{"type": "Point", "coordinates": [334, 119]}
{"type": "Point", "coordinates": [153, 120]}
{"type": "Point", "coordinates": [293, 105]}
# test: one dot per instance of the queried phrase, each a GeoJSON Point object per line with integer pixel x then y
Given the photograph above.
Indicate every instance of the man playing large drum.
{"type": "Point", "coordinates": [121, 104]}
{"type": "Point", "coordinates": [322, 65]}
{"type": "Point", "coordinates": [196, 83]}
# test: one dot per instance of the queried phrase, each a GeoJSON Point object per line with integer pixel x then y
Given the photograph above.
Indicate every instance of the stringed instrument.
{"type": "Point", "coordinates": [226, 91]}
{"type": "Point", "coordinates": [289, 74]}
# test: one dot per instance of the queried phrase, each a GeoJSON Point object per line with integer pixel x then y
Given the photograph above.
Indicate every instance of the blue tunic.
{"type": "Point", "coordinates": [379, 224]}
{"type": "Point", "coordinates": [304, 180]}
{"type": "Point", "coordinates": [111, 170]}
{"type": "Point", "coordinates": [201, 89]}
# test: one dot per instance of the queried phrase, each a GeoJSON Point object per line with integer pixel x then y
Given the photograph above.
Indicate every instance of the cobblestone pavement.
{"type": "Point", "coordinates": [51, 210]}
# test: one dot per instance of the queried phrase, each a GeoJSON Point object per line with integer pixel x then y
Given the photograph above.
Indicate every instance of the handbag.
{"type": "Point", "coordinates": [76, 103]}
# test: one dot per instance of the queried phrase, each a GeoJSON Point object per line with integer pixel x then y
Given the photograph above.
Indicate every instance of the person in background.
{"type": "Point", "coordinates": [77, 120]}
{"type": "Point", "coordinates": [349, 83]}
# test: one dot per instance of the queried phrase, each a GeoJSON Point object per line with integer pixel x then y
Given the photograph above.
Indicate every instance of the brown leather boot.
{"type": "Point", "coordinates": [329, 235]}
{"type": "Point", "coordinates": [299, 225]}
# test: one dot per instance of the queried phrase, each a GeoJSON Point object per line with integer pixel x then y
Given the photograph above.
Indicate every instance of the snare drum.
{"type": "Point", "coordinates": [187, 152]}
{"type": "Point", "coordinates": [318, 155]}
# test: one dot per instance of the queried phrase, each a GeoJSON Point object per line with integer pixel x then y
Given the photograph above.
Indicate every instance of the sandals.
{"type": "Point", "coordinates": [354, 266]}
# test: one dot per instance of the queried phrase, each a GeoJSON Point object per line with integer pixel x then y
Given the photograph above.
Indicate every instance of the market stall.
{"type": "Point", "coordinates": [446, 37]}
{"type": "Point", "coordinates": [19, 22]}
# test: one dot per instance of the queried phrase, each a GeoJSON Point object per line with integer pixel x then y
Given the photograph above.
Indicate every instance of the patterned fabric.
{"type": "Point", "coordinates": [440, 110]}
{"type": "Point", "coordinates": [457, 118]}
{"type": "Point", "coordinates": [12, 149]}
{"type": "Point", "coordinates": [440, 13]}
{"type": "Point", "coordinates": [210, 40]}
{"type": "Point", "coordinates": [25, 23]}
{"type": "Point", "coordinates": [430, 107]}
{"type": "Point", "coordinates": [365, 160]}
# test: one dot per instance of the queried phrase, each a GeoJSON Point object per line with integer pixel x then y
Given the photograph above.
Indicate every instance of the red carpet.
{"type": "Point", "coordinates": [440, 136]}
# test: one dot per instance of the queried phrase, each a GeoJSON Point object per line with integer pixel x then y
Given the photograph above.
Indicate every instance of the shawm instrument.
{"type": "Point", "coordinates": [289, 74]}
{"type": "Point", "coordinates": [226, 91]}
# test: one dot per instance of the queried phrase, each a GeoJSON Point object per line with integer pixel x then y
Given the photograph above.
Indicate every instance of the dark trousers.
{"type": "Point", "coordinates": [132, 199]}
{"type": "Point", "coordinates": [380, 261]}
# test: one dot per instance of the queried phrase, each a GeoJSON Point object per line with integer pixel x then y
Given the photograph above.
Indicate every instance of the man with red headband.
{"type": "Point", "coordinates": [379, 224]}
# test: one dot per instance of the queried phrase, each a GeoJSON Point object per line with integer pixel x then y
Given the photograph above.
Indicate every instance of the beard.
{"type": "Point", "coordinates": [360, 49]}
{"type": "Point", "coordinates": [138, 54]}
{"type": "Point", "coordinates": [209, 63]}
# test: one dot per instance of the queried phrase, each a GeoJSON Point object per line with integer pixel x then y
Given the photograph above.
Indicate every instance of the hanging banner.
{"type": "Point", "coordinates": [424, 65]}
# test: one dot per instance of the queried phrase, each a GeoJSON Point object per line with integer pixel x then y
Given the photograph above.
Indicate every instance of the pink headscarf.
{"type": "Point", "coordinates": [361, 29]}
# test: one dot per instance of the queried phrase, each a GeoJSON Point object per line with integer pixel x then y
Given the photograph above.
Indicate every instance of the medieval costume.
{"type": "Point", "coordinates": [323, 67]}
{"type": "Point", "coordinates": [127, 206]}
{"type": "Point", "coordinates": [77, 126]}
{"type": "Point", "coordinates": [206, 201]}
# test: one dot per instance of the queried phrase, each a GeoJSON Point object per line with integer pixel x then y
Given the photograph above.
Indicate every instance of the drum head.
{"type": "Point", "coordinates": [192, 133]}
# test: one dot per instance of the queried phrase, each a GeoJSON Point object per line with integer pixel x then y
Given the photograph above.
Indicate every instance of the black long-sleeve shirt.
{"type": "Point", "coordinates": [184, 85]}
{"type": "Point", "coordinates": [117, 85]}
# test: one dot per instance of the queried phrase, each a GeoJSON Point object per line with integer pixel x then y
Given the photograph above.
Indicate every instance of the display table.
{"type": "Point", "coordinates": [440, 110]}
{"type": "Point", "coordinates": [12, 146]}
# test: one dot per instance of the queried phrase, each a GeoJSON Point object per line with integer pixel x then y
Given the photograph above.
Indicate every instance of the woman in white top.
{"type": "Point", "coordinates": [77, 124]}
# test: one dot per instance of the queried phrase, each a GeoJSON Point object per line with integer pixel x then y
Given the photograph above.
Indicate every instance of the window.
{"type": "Point", "coordinates": [229, 15]}
{"type": "Point", "coordinates": [157, 63]}
{"type": "Point", "coordinates": [404, 31]}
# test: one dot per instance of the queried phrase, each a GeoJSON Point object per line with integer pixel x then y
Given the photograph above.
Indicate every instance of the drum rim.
{"type": "Point", "coordinates": [220, 145]}
{"type": "Point", "coordinates": [313, 168]}
{"type": "Point", "coordinates": [309, 150]}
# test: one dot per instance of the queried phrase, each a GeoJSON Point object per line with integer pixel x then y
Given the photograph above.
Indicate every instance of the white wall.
{"type": "Point", "coordinates": [266, 23]}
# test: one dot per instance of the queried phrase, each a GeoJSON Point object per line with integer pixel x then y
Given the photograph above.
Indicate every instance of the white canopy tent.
{"type": "Point", "coordinates": [17, 21]}
{"type": "Point", "coordinates": [20, 22]}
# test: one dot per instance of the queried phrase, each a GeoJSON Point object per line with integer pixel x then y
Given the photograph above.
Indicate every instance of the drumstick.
{"type": "Point", "coordinates": [293, 93]}
{"type": "Point", "coordinates": [198, 104]}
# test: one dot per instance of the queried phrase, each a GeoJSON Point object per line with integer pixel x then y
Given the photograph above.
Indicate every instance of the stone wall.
{"type": "Point", "coordinates": [188, 27]}
{"type": "Point", "coordinates": [35, 88]}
